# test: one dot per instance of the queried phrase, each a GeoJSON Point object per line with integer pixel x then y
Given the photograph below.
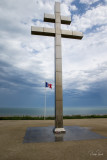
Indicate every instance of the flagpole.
{"type": "Point", "coordinates": [45, 102]}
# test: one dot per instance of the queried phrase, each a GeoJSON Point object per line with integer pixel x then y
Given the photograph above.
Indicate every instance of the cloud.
{"type": "Point", "coordinates": [68, 2]}
{"type": "Point", "coordinates": [28, 60]}
{"type": "Point", "coordinates": [73, 8]}
{"type": "Point", "coordinates": [88, 1]}
{"type": "Point", "coordinates": [65, 9]}
{"type": "Point", "coordinates": [87, 62]}
{"type": "Point", "coordinates": [93, 17]}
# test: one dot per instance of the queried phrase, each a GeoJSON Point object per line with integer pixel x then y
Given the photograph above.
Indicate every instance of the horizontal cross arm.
{"type": "Point", "coordinates": [71, 34]}
{"type": "Point", "coordinates": [51, 32]}
{"type": "Point", "coordinates": [51, 18]}
{"type": "Point", "coordinates": [43, 31]}
{"type": "Point", "coordinates": [65, 20]}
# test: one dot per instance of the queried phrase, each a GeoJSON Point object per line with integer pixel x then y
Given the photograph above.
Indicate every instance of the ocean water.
{"type": "Point", "coordinates": [50, 111]}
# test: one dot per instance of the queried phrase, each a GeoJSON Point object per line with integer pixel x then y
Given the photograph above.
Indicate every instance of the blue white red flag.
{"type": "Point", "coordinates": [48, 85]}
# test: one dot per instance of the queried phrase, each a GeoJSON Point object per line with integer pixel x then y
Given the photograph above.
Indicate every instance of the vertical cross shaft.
{"type": "Point", "coordinates": [58, 70]}
{"type": "Point", "coordinates": [57, 33]}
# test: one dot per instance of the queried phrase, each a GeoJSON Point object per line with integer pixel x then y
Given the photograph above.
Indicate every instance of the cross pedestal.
{"type": "Point", "coordinates": [57, 32]}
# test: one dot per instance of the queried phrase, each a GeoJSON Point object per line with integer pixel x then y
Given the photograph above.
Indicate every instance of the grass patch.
{"type": "Point", "coordinates": [84, 117]}
{"type": "Point", "coordinates": [52, 118]}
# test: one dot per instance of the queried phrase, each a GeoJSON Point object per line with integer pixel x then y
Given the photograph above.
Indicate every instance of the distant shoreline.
{"type": "Point", "coordinates": [50, 112]}
{"type": "Point", "coordinates": [51, 117]}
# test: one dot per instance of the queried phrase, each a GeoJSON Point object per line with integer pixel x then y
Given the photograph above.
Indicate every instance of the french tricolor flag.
{"type": "Point", "coordinates": [48, 85]}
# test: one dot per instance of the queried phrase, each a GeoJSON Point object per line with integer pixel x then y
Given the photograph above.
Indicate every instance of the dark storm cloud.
{"type": "Point", "coordinates": [13, 78]}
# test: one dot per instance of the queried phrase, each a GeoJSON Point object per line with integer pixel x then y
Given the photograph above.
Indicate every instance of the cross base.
{"type": "Point", "coordinates": [59, 130]}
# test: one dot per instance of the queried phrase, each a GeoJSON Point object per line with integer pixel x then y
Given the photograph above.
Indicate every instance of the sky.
{"type": "Point", "coordinates": [27, 61]}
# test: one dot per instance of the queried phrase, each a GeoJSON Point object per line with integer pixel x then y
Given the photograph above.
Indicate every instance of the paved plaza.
{"type": "Point", "coordinates": [12, 133]}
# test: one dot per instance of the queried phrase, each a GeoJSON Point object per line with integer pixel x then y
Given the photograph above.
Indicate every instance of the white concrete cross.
{"type": "Point", "coordinates": [57, 32]}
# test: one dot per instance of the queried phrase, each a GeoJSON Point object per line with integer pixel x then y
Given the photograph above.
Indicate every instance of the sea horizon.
{"type": "Point", "coordinates": [50, 111]}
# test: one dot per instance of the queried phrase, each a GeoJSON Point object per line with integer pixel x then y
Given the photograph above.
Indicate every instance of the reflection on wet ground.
{"type": "Point", "coordinates": [45, 134]}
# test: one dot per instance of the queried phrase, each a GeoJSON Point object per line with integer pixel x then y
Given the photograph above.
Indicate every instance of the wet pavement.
{"type": "Point", "coordinates": [45, 134]}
